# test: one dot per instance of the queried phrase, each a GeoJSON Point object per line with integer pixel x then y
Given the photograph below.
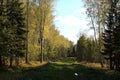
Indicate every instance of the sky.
{"type": "Point", "coordinates": [71, 19]}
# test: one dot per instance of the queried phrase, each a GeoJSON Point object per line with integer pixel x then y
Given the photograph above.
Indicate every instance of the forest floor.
{"type": "Point", "coordinates": [60, 71]}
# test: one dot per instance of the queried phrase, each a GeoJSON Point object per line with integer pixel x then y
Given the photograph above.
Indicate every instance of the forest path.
{"type": "Point", "coordinates": [61, 71]}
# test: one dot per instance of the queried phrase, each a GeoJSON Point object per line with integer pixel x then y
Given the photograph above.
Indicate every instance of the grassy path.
{"type": "Point", "coordinates": [60, 71]}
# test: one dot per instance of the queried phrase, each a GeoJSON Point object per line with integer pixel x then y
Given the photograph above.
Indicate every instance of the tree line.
{"type": "Point", "coordinates": [104, 18]}
{"type": "Point", "coordinates": [27, 32]}
{"type": "Point", "coordinates": [86, 49]}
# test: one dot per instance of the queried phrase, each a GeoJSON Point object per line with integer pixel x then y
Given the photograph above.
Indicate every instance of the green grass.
{"type": "Point", "coordinates": [60, 71]}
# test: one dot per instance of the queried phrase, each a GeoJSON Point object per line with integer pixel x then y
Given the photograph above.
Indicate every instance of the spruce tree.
{"type": "Point", "coordinates": [112, 36]}
{"type": "Point", "coordinates": [108, 37]}
{"type": "Point", "coordinates": [116, 33]}
{"type": "Point", "coordinates": [1, 28]}
{"type": "Point", "coordinates": [3, 32]}
{"type": "Point", "coordinates": [16, 29]}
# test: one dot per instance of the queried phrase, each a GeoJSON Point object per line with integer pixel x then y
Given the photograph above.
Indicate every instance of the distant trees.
{"type": "Point", "coordinates": [86, 49]}
{"type": "Point", "coordinates": [96, 11]}
{"type": "Point", "coordinates": [106, 16]}
{"type": "Point", "coordinates": [81, 48]}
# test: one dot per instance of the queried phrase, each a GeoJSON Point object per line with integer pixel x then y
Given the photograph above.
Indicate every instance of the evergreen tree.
{"type": "Point", "coordinates": [116, 34]}
{"type": "Point", "coordinates": [111, 38]}
{"type": "Point", "coordinates": [108, 50]}
{"type": "Point", "coordinates": [16, 29]}
{"type": "Point", "coordinates": [2, 26]}
{"type": "Point", "coordinates": [81, 48]}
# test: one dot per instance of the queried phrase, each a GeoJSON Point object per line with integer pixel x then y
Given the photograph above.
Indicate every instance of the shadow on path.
{"type": "Point", "coordinates": [55, 71]}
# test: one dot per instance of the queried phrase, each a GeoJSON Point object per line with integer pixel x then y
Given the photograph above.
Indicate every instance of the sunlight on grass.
{"type": "Point", "coordinates": [32, 64]}
{"type": "Point", "coordinates": [96, 65]}
{"type": "Point", "coordinates": [93, 65]}
{"type": "Point", "coordinates": [62, 63]}
{"type": "Point", "coordinates": [60, 71]}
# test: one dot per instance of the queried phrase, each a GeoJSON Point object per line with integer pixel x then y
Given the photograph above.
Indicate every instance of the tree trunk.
{"type": "Point", "coordinates": [100, 55]}
{"type": "Point", "coordinates": [11, 61]}
{"type": "Point", "coordinates": [98, 46]}
{"type": "Point", "coordinates": [3, 60]}
{"type": "Point", "coordinates": [111, 64]}
{"type": "Point", "coordinates": [17, 61]}
{"type": "Point", "coordinates": [26, 57]}
{"type": "Point", "coordinates": [119, 63]}
{"type": "Point", "coordinates": [41, 52]}
{"type": "Point", "coordinates": [0, 60]}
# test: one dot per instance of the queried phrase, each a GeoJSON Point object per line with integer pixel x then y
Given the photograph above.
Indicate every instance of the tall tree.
{"type": "Point", "coordinates": [81, 48]}
{"type": "Point", "coordinates": [16, 30]}
{"type": "Point", "coordinates": [27, 10]}
{"type": "Point", "coordinates": [97, 10]}
{"type": "Point", "coordinates": [111, 49]}
{"type": "Point", "coordinates": [116, 34]}
{"type": "Point", "coordinates": [44, 6]}
{"type": "Point", "coordinates": [1, 26]}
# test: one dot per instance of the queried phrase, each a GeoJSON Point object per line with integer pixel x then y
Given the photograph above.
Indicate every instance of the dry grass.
{"type": "Point", "coordinates": [93, 65]}
{"type": "Point", "coordinates": [32, 64]}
